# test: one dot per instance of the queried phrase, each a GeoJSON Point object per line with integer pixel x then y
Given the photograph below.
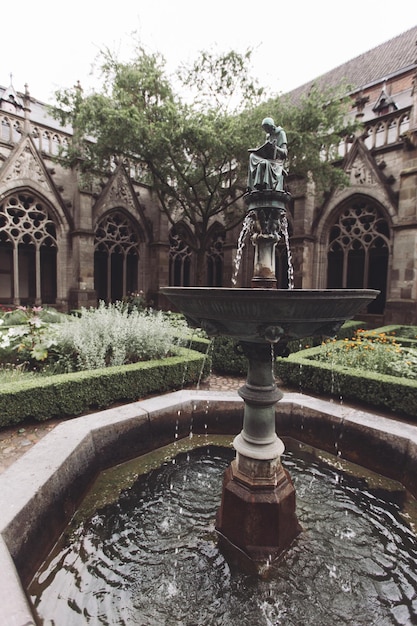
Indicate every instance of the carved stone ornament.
{"type": "Point", "coordinates": [26, 165]}
{"type": "Point", "coordinates": [120, 192]}
{"type": "Point", "coordinates": [211, 327]}
{"type": "Point", "coordinates": [271, 333]}
{"type": "Point", "coordinates": [360, 173]}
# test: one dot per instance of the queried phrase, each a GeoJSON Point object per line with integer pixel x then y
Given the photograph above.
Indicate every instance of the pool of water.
{"type": "Point", "coordinates": [142, 550]}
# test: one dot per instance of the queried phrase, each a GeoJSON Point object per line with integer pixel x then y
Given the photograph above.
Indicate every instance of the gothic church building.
{"type": "Point", "coordinates": [67, 242]}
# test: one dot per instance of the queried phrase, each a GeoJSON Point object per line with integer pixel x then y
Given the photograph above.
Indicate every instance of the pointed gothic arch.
{"type": "Point", "coordinates": [28, 250]}
{"type": "Point", "coordinates": [358, 249]}
{"type": "Point", "coordinates": [116, 256]}
{"type": "Point", "coordinates": [180, 256]}
{"type": "Point", "coordinates": [215, 256]}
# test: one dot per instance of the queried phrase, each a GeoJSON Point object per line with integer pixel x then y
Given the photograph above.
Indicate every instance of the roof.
{"type": "Point", "coordinates": [40, 112]}
{"type": "Point", "coordinates": [376, 64]}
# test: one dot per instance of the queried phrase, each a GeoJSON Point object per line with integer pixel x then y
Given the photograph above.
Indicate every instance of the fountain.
{"type": "Point", "coordinates": [257, 519]}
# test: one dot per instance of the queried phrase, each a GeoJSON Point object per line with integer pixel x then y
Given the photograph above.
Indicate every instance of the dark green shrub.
{"type": "Point", "coordinates": [71, 394]}
{"type": "Point", "coordinates": [226, 359]}
{"type": "Point", "coordinates": [375, 389]}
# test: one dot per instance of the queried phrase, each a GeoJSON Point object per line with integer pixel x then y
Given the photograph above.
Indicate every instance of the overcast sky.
{"type": "Point", "coordinates": [50, 44]}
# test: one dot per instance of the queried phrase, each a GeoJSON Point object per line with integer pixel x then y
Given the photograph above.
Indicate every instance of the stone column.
{"type": "Point", "coordinates": [256, 521]}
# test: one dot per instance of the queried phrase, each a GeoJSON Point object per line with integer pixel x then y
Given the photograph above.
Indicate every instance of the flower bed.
{"type": "Point", "coordinates": [373, 367]}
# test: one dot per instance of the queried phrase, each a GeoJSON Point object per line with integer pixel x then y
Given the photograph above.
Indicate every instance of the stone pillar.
{"type": "Point", "coordinates": [256, 521]}
{"type": "Point", "coordinates": [302, 242]}
{"type": "Point", "coordinates": [402, 284]}
{"type": "Point", "coordinates": [159, 273]}
{"type": "Point", "coordinates": [82, 293]}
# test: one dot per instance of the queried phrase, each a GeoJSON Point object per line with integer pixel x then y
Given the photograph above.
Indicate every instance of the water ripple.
{"type": "Point", "coordinates": [151, 558]}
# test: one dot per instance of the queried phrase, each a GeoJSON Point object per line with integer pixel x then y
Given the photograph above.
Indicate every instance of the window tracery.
{"type": "Point", "coordinates": [214, 257]}
{"type": "Point", "coordinates": [358, 250]}
{"type": "Point", "coordinates": [179, 261]}
{"type": "Point", "coordinates": [116, 257]}
{"type": "Point", "coordinates": [28, 246]}
{"type": "Point", "coordinates": [6, 129]}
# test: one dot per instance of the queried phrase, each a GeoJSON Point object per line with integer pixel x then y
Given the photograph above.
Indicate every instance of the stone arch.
{"type": "Point", "coordinates": [180, 255]}
{"type": "Point", "coordinates": [117, 252]}
{"type": "Point", "coordinates": [29, 242]}
{"type": "Point", "coordinates": [358, 247]}
{"type": "Point", "coordinates": [215, 255]}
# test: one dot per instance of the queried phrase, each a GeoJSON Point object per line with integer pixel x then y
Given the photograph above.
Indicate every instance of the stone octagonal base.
{"type": "Point", "coordinates": [256, 523]}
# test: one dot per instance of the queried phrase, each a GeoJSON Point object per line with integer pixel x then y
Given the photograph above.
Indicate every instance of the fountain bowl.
{"type": "Point", "coordinates": [268, 315]}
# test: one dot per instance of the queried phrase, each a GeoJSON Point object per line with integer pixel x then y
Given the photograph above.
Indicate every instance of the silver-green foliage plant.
{"type": "Point", "coordinates": [111, 335]}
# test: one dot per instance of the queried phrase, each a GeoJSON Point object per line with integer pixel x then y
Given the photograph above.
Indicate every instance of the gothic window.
{"type": "Point", "coordinates": [215, 260]}
{"type": "Point", "coordinates": [116, 257]}
{"type": "Point", "coordinates": [404, 124]}
{"type": "Point", "coordinates": [392, 136]}
{"type": "Point", "coordinates": [45, 139]}
{"type": "Point", "coordinates": [36, 137]}
{"type": "Point", "coordinates": [17, 131]}
{"type": "Point", "coordinates": [6, 129]}
{"type": "Point", "coordinates": [380, 135]}
{"type": "Point", "coordinates": [28, 248]}
{"type": "Point", "coordinates": [358, 251]}
{"type": "Point", "coordinates": [55, 145]}
{"type": "Point", "coordinates": [179, 261]}
{"type": "Point", "coordinates": [369, 137]}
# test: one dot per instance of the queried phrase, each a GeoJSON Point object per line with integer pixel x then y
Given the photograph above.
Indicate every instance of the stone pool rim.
{"type": "Point", "coordinates": [41, 491]}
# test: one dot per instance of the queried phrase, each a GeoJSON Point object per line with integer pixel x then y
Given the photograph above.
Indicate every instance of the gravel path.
{"type": "Point", "coordinates": [16, 440]}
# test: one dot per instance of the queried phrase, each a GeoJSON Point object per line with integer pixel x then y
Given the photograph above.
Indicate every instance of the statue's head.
{"type": "Point", "coordinates": [268, 124]}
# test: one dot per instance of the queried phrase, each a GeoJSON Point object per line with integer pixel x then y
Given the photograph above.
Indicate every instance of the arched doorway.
{"type": "Point", "coordinates": [28, 251]}
{"type": "Point", "coordinates": [358, 250]}
{"type": "Point", "coordinates": [116, 257]}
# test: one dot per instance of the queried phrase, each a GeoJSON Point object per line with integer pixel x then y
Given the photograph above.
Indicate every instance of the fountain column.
{"type": "Point", "coordinates": [266, 209]}
{"type": "Point", "coordinates": [257, 520]}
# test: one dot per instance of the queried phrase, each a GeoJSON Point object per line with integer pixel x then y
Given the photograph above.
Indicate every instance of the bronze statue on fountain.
{"type": "Point", "coordinates": [267, 201]}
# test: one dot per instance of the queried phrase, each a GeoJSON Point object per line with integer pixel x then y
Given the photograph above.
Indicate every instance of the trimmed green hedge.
{"type": "Point", "coordinates": [226, 360]}
{"type": "Point", "coordinates": [378, 390]}
{"type": "Point", "coordinates": [44, 397]}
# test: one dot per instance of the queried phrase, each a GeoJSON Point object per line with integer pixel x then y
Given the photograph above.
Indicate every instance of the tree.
{"type": "Point", "coordinates": [195, 152]}
{"type": "Point", "coordinates": [193, 139]}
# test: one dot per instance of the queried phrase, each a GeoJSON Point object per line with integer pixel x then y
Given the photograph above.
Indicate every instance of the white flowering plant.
{"type": "Point", "coordinates": [29, 342]}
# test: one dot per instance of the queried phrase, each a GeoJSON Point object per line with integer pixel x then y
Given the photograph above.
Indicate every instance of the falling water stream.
{"type": "Point", "coordinates": [241, 242]}
{"type": "Point", "coordinates": [142, 549]}
{"type": "Point", "coordinates": [284, 228]}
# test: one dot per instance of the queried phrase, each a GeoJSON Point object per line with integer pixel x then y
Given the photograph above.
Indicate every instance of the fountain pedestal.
{"type": "Point", "coordinates": [256, 520]}
{"type": "Point", "coordinates": [267, 210]}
